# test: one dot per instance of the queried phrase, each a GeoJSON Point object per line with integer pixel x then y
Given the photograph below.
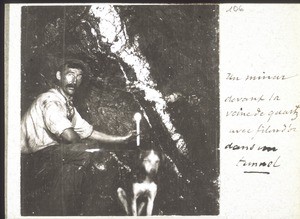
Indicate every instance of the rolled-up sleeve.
{"type": "Point", "coordinates": [82, 127]}
{"type": "Point", "coordinates": [55, 118]}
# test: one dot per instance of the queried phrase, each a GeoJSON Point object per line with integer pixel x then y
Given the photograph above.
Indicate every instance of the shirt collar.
{"type": "Point", "coordinates": [67, 98]}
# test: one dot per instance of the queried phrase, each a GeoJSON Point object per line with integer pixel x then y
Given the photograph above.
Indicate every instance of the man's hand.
{"type": "Point", "coordinates": [102, 137]}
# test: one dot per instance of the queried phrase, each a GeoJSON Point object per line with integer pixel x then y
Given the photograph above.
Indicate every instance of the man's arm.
{"type": "Point", "coordinates": [105, 138]}
{"type": "Point", "coordinates": [70, 136]}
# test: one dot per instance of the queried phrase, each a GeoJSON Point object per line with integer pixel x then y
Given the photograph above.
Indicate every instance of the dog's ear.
{"type": "Point", "coordinates": [140, 153]}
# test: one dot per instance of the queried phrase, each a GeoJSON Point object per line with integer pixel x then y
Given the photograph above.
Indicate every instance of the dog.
{"type": "Point", "coordinates": [143, 186]}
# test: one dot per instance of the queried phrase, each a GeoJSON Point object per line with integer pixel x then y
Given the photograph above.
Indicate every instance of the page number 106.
{"type": "Point", "coordinates": [235, 9]}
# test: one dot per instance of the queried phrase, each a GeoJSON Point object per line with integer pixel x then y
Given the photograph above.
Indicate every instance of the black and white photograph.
{"type": "Point", "coordinates": [119, 110]}
{"type": "Point", "coordinates": [164, 110]}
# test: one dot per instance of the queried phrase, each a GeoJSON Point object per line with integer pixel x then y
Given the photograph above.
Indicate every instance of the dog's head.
{"type": "Point", "coordinates": [148, 163]}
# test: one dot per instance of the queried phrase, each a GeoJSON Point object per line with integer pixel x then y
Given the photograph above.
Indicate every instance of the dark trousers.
{"type": "Point", "coordinates": [52, 180]}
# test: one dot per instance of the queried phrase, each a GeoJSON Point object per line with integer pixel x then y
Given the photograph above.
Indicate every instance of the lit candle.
{"type": "Point", "coordinates": [137, 117]}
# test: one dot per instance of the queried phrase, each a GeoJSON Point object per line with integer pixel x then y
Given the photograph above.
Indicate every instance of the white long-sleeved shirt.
{"type": "Point", "coordinates": [46, 120]}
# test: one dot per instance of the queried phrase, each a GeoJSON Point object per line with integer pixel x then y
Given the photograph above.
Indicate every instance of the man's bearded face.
{"type": "Point", "coordinates": [70, 79]}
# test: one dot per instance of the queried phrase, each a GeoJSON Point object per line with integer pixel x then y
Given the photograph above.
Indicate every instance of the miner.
{"type": "Point", "coordinates": [53, 157]}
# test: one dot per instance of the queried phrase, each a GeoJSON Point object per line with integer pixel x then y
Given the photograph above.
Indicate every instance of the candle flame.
{"type": "Point", "coordinates": [137, 117]}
